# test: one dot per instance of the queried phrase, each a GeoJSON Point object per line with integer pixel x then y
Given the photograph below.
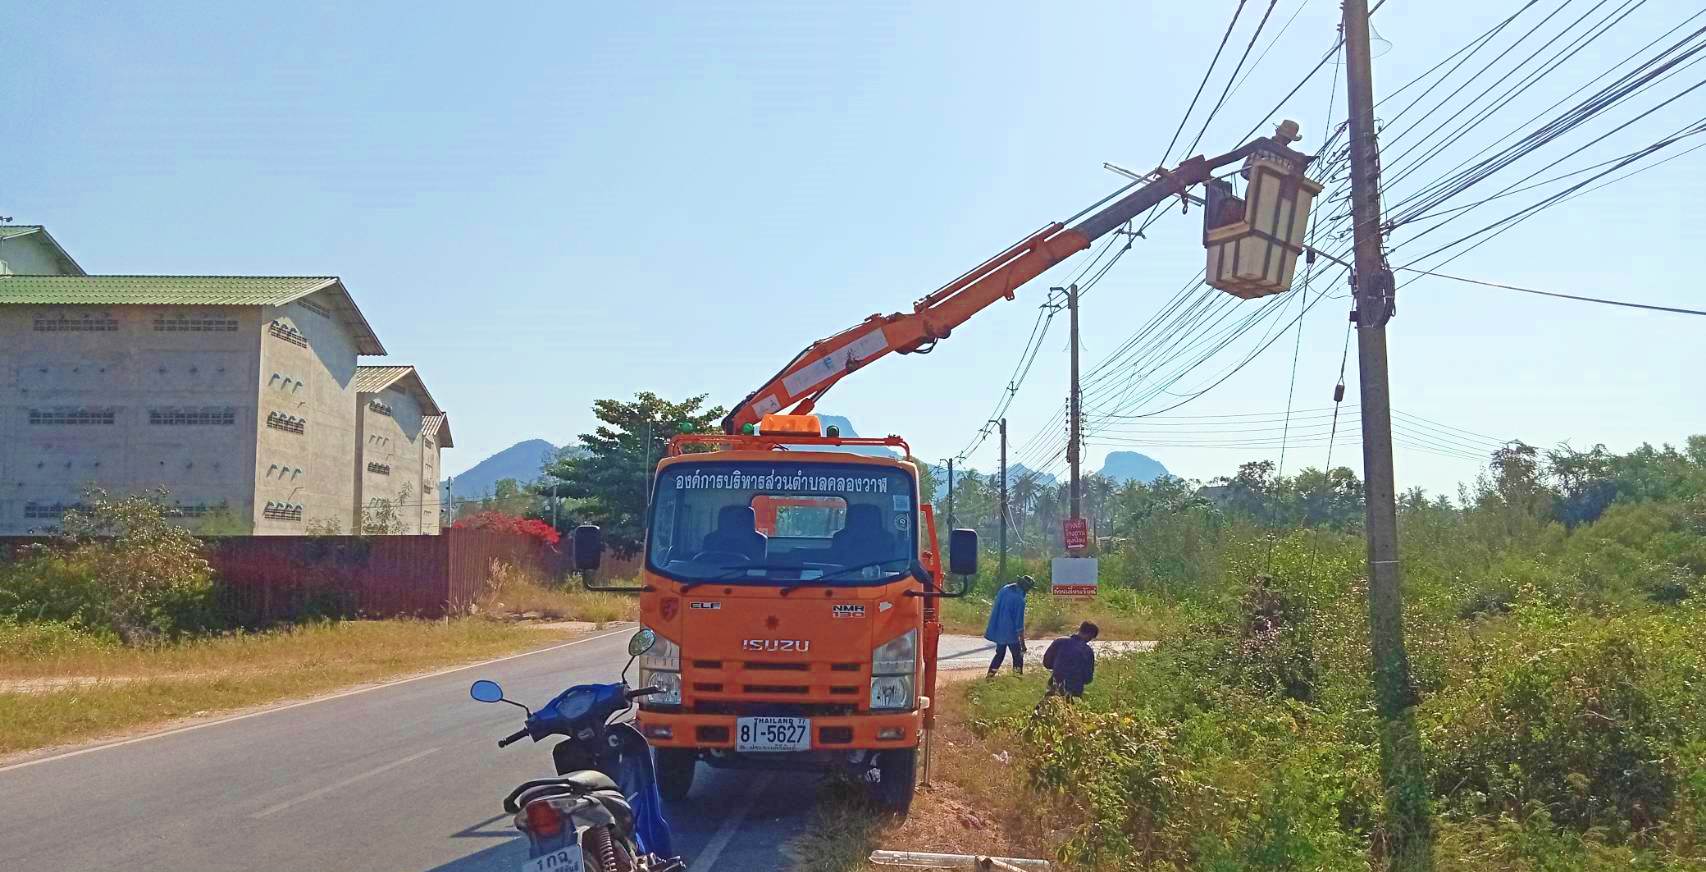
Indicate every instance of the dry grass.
{"type": "Point", "coordinates": [116, 689]}
{"type": "Point", "coordinates": [519, 594]}
{"type": "Point", "coordinates": [976, 804]}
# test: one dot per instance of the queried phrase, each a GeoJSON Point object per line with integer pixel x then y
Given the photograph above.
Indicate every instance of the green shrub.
{"type": "Point", "coordinates": [1584, 717]}
{"type": "Point", "coordinates": [119, 566]}
{"type": "Point", "coordinates": [1159, 765]}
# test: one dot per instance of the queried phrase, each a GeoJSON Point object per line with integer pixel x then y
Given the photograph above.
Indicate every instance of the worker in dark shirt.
{"type": "Point", "coordinates": [1071, 663]}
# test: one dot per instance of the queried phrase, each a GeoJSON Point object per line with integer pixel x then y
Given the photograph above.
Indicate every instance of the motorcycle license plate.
{"type": "Point", "coordinates": [773, 734]}
{"type": "Point", "coordinates": [560, 860]}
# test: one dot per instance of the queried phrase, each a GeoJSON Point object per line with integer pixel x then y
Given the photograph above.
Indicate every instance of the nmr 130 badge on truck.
{"type": "Point", "coordinates": [847, 610]}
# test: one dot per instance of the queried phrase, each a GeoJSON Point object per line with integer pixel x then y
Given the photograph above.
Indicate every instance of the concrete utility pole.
{"type": "Point", "coordinates": [950, 493]}
{"type": "Point", "coordinates": [646, 472]}
{"type": "Point", "coordinates": [1408, 817]}
{"type": "Point", "coordinates": [1073, 443]}
{"type": "Point", "coordinates": [1001, 568]}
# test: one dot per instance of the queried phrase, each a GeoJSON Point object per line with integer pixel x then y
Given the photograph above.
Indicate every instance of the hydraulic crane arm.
{"type": "Point", "coordinates": [823, 363]}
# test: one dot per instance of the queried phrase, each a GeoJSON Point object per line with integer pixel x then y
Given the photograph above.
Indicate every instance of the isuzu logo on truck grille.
{"type": "Point", "coordinates": [777, 646]}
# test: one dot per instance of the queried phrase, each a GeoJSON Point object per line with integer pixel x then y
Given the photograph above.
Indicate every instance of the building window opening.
{"type": "Point", "coordinates": [71, 417]}
{"type": "Point", "coordinates": [193, 324]}
{"type": "Point", "coordinates": [287, 423]}
{"type": "Point", "coordinates": [279, 511]}
{"type": "Point", "coordinates": [288, 333]}
{"type": "Point", "coordinates": [209, 416]}
{"type": "Point", "coordinates": [92, 323]}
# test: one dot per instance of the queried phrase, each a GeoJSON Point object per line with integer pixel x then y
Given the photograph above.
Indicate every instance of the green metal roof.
{"type": "Point", "coordinates": [159, 290]}
{"type": "Point", "coordinates": [190, 291]}
{"type": "Point", "coordinates": [373, 379]}
{"type": "Point", "coordinates": [438, 427]}
{"type": "Point", "coordinates": [7, 231]}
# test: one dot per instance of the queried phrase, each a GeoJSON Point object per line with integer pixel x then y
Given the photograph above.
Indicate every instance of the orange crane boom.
{"type": "Point", "coordinates": [815, 370]}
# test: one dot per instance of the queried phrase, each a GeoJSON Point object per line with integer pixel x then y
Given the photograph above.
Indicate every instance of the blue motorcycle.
{"type": "Point", "coordinates": [604, 813]}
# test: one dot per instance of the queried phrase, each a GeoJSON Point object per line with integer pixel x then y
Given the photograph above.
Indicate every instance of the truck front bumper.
{"type": "Point", "coordinates": [840, 733]}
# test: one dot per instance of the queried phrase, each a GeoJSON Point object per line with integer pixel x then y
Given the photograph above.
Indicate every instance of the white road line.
{"type": "Point", "coordinates": [164, 733]}
{"type": "Point", "coordinates": [707, 859]}
{"type": "Point", "coordinates": [316, 794]}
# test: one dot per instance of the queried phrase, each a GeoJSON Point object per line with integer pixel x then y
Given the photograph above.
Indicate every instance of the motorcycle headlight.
{"type": "Point", "coordinates": [668, 682]}
{"type": "Point", "coordinates": [898, 656]}
{"type": "Point", "coordinates": [891, 692]}
{"type": "Point", "coordinates": [663, 655]}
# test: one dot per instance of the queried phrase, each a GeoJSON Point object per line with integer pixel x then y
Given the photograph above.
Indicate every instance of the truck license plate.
{"type": "Point", "coordinates": [561, 860]}
{"type": "Point", "coordinates": [773, 734]}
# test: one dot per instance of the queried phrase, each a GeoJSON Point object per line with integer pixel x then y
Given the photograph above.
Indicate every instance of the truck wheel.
{"type": "Point", "coordinates": [675, 771]}
{"type": "Point", "coordinates": [899, 779]}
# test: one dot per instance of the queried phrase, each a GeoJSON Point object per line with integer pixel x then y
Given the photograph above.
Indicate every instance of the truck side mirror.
{"type": "Point", "coordinates": [589, 547]}
{"type": "Point", "coordinates": [962, 552]}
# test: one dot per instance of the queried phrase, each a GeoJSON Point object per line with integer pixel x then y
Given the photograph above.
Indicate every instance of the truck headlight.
{"type": "Point", "coordinates": [663, 655]}
{"type": "Point", "coordinates": [667, 682]}
{"type": "Point", "coordinates": [891, 691]}
{"type": "Point", "coordinates": [898, 656]}
{"type": "Point", "coordinates": [660, 667]}
{"type": "Point", "coordinates": [893, 665]}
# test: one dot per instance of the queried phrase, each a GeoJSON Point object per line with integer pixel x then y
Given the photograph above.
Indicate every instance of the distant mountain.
{"type": "Point", "coordinates": [521, 461]}
{"type": "Point", "coordinates": [1124, 466]}
{"type": "Point", "coordinates": [1121, 466]}
{"type": "Point", "coordinates": [1017, 470]}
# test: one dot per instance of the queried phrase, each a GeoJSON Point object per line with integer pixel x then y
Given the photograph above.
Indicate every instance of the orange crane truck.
{"type": "Point", "coordinates": [792, 583]}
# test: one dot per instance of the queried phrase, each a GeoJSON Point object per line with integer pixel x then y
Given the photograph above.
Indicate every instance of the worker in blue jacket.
{"type": "Point", "coordinates": [1071, 662]}
{"type": "Point", "coordinates": [1007, 624]}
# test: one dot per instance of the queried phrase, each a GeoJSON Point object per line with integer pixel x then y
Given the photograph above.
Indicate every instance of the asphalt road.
{"type": "Point", "coordinates": [404, 777]}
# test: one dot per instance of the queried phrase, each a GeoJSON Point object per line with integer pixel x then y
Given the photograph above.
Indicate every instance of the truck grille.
{"type": "Point", "coordinates": [713, 683]}
{"type": "Point", "coordinates": [776, 688]}
{"type": "Point", "coordinates": [774, 709]}
{"type": "Point", "coordinates": [779, 667]}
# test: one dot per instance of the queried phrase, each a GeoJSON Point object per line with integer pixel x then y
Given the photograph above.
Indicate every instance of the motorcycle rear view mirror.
{"type": "Point", "coordinates": [638, 644]}
{"type": "Point", "coordinates": [486, 690]}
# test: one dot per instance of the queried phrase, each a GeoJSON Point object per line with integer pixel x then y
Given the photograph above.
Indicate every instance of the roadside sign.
{"type": "Point", "coordinates": [1077, 533]}
{"type": "Point", "coordinates": [1074, 576]}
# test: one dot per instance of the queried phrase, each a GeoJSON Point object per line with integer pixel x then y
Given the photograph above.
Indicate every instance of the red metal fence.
{"type": "Point", "coordinates": [265, 579]}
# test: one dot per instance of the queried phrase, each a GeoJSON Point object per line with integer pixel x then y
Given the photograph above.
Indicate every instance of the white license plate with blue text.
{"type": "Point", "coordinates": [773, 734]}
{"type": "Point", "coordinates": [561, 860]}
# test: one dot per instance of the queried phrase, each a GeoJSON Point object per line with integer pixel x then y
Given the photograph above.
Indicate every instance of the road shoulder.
{"type": "Point", "coordinates": [337, 684]}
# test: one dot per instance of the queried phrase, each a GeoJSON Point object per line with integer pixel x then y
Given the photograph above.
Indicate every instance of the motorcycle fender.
{"type": "Point", "coordinates": [639, 784]}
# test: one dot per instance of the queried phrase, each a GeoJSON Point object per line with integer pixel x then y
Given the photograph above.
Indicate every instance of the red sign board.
{"type": "Point", "coordinates": [1077, 533]}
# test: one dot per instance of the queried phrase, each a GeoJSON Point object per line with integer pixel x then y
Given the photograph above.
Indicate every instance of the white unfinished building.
{"type": "Point", "coordinates": [241, 395]}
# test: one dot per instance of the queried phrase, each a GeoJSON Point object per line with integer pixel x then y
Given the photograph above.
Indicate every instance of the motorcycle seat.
{"type": "Point", "coordinates": [585, 783]}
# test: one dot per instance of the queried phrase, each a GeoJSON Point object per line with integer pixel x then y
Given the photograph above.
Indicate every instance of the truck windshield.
{"type": "Point", "coordinates": [764, 523]}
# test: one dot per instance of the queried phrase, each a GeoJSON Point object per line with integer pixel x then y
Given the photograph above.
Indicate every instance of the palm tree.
{"type": "Point", "coordinates": [1050, 509]}
{"type": "Point", "coordinates": [1098, 495]}
{"type": "Point", "coordinates": [1022, 492]}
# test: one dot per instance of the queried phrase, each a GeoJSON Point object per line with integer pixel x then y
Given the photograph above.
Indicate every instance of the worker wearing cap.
{"type": "Point", "coordinates": [1007, 624]}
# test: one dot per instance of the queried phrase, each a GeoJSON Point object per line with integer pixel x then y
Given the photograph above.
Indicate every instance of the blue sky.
{"type": "Point", "coordinates": [545, 204]}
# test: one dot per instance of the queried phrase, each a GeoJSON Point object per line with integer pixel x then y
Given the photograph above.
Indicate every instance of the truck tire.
{"type": "Point", "coordinates": [675, 771]}
{"type": "Point", "coordinates": [899, 779]}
